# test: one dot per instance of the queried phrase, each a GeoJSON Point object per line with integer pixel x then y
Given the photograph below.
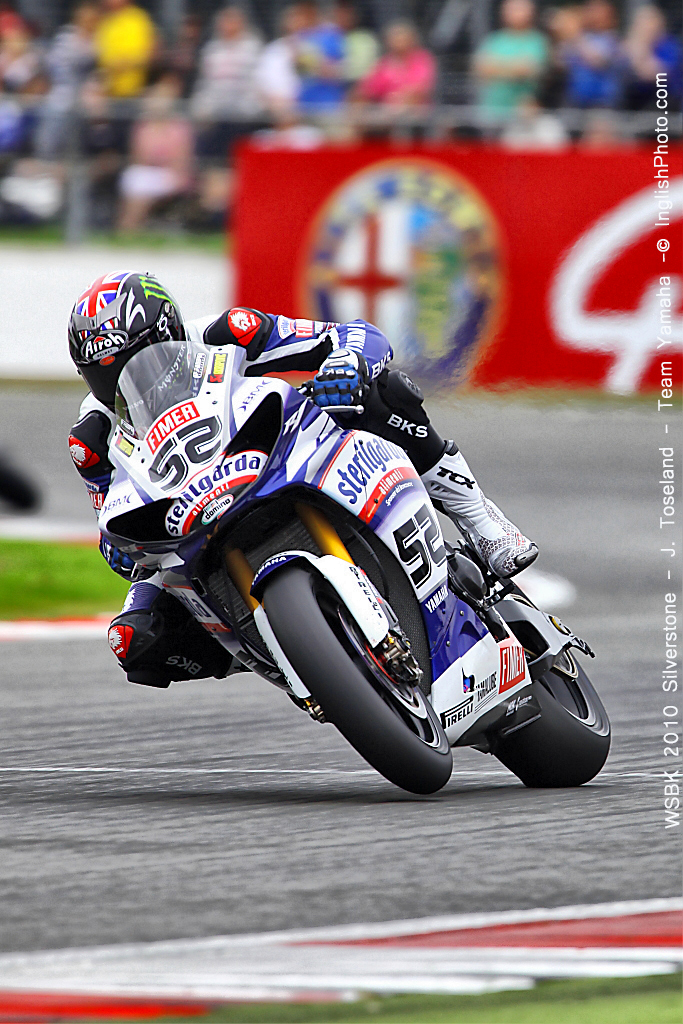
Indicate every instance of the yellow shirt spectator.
{"type": "Point", "coordinates": [124, 44]}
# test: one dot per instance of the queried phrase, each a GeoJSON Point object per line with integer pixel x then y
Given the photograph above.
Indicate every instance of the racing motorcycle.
{"type": "Point", "coordinates": [312, 552]}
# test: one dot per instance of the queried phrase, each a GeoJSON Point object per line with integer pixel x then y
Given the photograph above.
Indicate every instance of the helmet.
{"type": "Point", "coordinates": [112, 320]}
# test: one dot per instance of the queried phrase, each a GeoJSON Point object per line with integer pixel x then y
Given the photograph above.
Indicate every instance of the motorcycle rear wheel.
{"type": "Point", "coordinates": [412, 752]}
{"type": "Point", "coordinates": [569, 743]}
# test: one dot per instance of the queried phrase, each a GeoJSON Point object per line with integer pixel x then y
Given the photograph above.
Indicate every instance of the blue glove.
{"type": "Point", "coordinates": [117, 560]}
{"type": "Point", "coordinates": [341, 380]}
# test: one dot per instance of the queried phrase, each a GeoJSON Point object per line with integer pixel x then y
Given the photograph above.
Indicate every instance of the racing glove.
{"type": "Point", "coordinates": [341, 380]}
{"type": "Point", "coordinates": [118, 560]}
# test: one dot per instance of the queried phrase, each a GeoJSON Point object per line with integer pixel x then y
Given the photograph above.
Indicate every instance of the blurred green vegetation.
{"type": "Point", "coordinates": [47, 580]}
{"type": "Point", "coordinates": [214, 243]}
{"type": "Point", "coordinates": [648, 1000]}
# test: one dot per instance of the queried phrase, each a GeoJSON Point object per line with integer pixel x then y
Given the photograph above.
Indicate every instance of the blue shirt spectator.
{"type": "Point", "coordinates": [651, 51]}
{"type": "Point", "coordinates": [595, 62]}
{"type": "Point", "coordinates": [320, 63]}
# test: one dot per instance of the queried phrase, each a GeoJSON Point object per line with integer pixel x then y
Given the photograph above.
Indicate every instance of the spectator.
{"type": "Point", "coordinates": [20, 57]}
{"type": "Point", "coordinates": [9, 20]}
{"type": "Point", "coordinates": [564, 26]}
{"type": "Point", "coordinates": [124, 44]}
{"type": "Point", "coordinates": [405, 75]}
{"type": "Point", "coordinates": [70, 60]}
{"type": "Point", "coordinates": [651, 51]}
{"type": "Point", "coordinates": [509, 63]}
{"type": "Point", "coordinates": [319, 60]}
{"type": "Point", "coordinates": [226, 86]}
{"type": "Point", "coordinates": [595, 60]}
{"type": "Point", "coordinates": [160, 155]}
{"type": "Point", "coordinates": [20, 75]}
{"type": "Point", "coordinates": [361, 48]}
{"type": "Point", "coordinates": [276, 76]}
{"type": "Point", "coordinates": [181, 57]}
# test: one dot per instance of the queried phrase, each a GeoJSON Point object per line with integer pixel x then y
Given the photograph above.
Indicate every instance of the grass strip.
{"type": "Point", "coordinates": [649, 1000]}
{"type": "Point", "coordinates": [41, 580]}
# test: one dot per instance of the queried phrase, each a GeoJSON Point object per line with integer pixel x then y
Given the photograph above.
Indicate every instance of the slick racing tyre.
{"type": "Point", "coordinates": [396, 731]}
{"type": "Point", "coordinates": [569, 743]}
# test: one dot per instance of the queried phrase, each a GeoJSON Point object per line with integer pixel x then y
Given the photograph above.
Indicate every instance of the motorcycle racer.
{"type": "Point", "coordinates": [154, 638]}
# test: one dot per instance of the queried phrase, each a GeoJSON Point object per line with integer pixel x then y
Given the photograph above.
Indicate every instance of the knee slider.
{"type": "Point", "coordinates": [132, 634]}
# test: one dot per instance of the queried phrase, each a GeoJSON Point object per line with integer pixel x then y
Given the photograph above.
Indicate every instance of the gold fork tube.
{"type": "Point", "coordinates": [242, 576]}
{"type": "Point", "coordinates": [322, 532]}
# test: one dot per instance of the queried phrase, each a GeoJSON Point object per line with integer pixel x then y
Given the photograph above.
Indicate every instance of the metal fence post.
{"type": "Point", "coordinates": [76, 214]}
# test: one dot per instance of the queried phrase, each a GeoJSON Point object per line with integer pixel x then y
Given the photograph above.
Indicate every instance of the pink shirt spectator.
{"type": "Point", "coordinates": [406, 79]}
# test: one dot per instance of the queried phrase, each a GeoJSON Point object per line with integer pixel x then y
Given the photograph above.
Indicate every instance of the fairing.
{"type": "Point", "coordinates": [182, 407]}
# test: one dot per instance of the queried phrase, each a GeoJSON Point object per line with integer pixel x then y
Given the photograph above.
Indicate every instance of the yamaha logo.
{"type": "Point", "coordinates": [411, 246]}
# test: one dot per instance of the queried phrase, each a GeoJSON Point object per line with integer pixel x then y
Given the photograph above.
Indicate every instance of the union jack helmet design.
{"type": "Point", "coordinates": [116, 316]}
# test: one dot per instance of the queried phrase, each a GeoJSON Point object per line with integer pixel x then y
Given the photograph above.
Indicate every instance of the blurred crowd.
{"type": "Point", "coordinates": [156, 118]}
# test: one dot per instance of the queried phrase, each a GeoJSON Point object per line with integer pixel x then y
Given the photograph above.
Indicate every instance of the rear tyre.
{"type": "Point", "coordinates": [401, 738]}
{"type": "Point", "coordinates": [569, 743]}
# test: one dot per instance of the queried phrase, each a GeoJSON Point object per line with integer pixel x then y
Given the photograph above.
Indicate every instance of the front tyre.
{"type": "Point", "coordinates": [569, 743]}
{"type": "Point", "coordinates": [412, 752]}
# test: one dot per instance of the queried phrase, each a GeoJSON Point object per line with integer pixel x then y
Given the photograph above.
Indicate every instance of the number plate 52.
{"type": "Point", "coordinates": [420, 546]}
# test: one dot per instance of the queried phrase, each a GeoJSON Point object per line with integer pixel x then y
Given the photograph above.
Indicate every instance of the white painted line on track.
{"type": "Point", "coordinates": [548, 591]}
{"type": "Point", "coordinates": [482, 773]}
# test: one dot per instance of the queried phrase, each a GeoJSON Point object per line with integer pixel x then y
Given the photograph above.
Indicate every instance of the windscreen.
{"type": "Point", "coordinates": [154, 380]}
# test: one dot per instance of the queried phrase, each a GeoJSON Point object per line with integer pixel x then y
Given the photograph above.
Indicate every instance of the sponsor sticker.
{"type": "Point", "coordinates": [375, 472]}
{"type": "Point", "coordinates": [285, 326]}
{"type": "Point", "coordinates": [199, 364]}
{"type": "Point", "coordinates": [216, 508]}
{"type": "Point", "coordinates": [123, 499]}
{"type": "Point", "coordinates": [83, 456]}
{"type": "Point", "coordinates": [486, 687]}
{"type": "Point", "coordinates": [169, 422]}
{"type": "Point", "coordinates": [456, 714]}
{"type": "Point", "coordinates": [124, 445]}
{"type": "Point", "coordinates": [261, 386]}
{"type": "Point", "coordinates": [304, 328]}
{"type": "Point", "coordinates": [516, 703]}
{"type": "Point", "coordinates": [103, 346]}
{"type": "Point", "coordinates": [202, 494]}
{"type": "Point", "coordinates": [512, 665]}
{"type": "Point", "coordinates": [96, 496]}
{"type": "Point", "coordinates": [467, 682]}
{"type": "Point", "coordinates": [437, 598]}
{"type": "Point", "coordinates": [217, 372]}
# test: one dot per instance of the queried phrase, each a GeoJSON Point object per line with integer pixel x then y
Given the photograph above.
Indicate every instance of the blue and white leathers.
{"type": "Point", "coordinates": [180, 459]}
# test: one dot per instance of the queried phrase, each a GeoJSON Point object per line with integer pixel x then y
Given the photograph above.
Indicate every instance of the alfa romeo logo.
{"type": "Point", "coordinates": [411, 246]}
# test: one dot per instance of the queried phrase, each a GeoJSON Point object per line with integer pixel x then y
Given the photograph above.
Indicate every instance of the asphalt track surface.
{"type": "Point", "coordinates": [218, 807]}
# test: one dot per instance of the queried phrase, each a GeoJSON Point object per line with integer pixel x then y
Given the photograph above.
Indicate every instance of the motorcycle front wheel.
{"type": "Point", "coordinates": [395, 727]}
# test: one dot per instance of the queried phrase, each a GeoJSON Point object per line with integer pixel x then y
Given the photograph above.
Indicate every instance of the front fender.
{"type": "Point", "coordinates": [350, 583]}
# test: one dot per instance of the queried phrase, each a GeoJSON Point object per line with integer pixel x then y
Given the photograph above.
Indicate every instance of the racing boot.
{"type": "Point", "coordinates": [157, 641]}
{"type": "Point", "coordinates": [498, 542]}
